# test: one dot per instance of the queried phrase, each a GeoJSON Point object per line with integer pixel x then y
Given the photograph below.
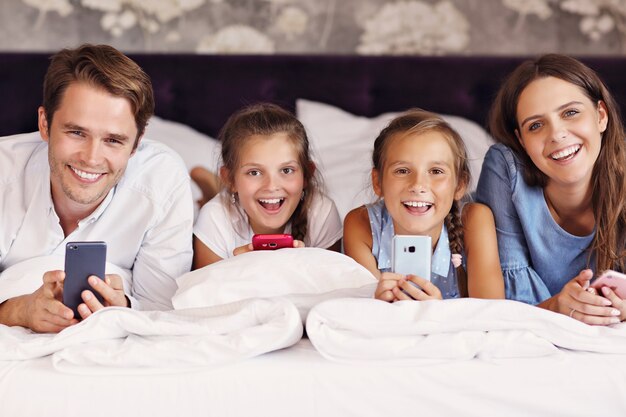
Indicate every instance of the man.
{"type": "Point", "coordinates": [92, 178]}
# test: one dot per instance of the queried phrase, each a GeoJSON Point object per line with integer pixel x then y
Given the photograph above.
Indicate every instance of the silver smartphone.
{"type": "Point", "coordinates": [411, 255]}
{"type": "Point", "coordinates": [82, 259]}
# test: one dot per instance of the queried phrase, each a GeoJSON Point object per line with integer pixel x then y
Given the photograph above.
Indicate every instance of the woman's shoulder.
{"type": "Point", "coordinates": [502, 154]}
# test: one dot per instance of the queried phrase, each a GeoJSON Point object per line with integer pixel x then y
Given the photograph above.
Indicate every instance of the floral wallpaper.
{"type": "Point", "coordinates": [415, 27]}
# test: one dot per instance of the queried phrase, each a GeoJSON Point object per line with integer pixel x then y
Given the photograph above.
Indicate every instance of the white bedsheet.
{"type": "Point", "coordinates": [298, 381]}
{"type": "Point", "coordinates": [437, 331]}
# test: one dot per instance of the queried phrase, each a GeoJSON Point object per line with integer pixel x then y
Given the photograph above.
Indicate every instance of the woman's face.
{"type": "Point", "coordinates": [561, 130]}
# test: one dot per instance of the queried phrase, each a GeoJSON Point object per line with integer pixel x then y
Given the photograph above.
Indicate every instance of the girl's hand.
{"type": "Point", "coordinates": [243, 249]}
{"type": "Point", "coordinates": [298, 244]}
{"type": "Point", "coordinates": [580, 303]}
{"type": "Point", "coordinates": [426, 291]}
{"type": "Point", "coordinates": [384, 290]}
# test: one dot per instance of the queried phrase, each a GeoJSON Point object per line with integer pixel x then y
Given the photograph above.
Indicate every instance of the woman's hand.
{"type": "Point", "coordinates": [580, 303]}
{"type": "Point", "coordinates": [616, 302]}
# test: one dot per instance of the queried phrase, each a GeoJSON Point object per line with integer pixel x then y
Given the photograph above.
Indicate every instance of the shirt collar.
{"type": "Point", "coordinates": [440, 264]}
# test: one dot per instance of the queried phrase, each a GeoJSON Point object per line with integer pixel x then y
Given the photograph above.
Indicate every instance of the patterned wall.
{"type": "Point", "coordinates": [421, 27]}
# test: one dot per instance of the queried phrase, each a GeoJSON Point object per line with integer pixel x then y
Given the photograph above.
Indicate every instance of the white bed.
{"type": "Point", "coordinates": [541, 376]}
{"type": "Point", "coordinates": [298, 382]}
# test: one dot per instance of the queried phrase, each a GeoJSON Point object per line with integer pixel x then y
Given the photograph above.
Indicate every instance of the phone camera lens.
{"type": "Point", "coordinates": [272, 245]}
{"type": "Point", "coordinates": [412, 249]}
{"type": "Point", "coordinates": [73, 247]}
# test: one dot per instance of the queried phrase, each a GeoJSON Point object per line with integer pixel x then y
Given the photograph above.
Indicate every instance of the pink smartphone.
{"type": "Point", "coordinates": [614, 280]}
{"type": "Point", "coordinates": [270, 242]}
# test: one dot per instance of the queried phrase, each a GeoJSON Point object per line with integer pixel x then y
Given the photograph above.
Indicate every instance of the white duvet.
{"type": "Point", "coordinates": [122, 340]}
{"type": "Point", "coordinates": [353, 330]}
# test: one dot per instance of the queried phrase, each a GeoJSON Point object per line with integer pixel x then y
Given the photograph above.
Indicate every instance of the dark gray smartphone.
{"type": "Point", "coordinates": [82, 259]}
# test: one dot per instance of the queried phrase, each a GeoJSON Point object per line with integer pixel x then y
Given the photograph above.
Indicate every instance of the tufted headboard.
{"type": "Point", "coordinates": [203, 90]}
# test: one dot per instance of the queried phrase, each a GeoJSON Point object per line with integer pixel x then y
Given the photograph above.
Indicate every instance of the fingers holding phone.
{"type": "Point", "coordinates": [582, 302]}
{"type": "Point", "coordinates": [418, 288]}
{"type": "Point", "coordinates": [387, 282]}
{"type": "Point", "coordinates": [111, 290]}
{"type": "Point", "coordinates": [612, 285]}
{"type": "Point", "coordinates": [42, 311]}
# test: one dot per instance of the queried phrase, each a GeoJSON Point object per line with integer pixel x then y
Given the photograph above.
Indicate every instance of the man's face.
{"type": "Point", "coordinates": [90, 140]}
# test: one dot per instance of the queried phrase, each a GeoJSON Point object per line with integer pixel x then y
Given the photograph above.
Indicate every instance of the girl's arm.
{"type": "Point", "coordinates": [484, 274]}
{"type": "Point", "coordinates": [357, 239]}
{"type": "Point", "coordinates": [202, 255]}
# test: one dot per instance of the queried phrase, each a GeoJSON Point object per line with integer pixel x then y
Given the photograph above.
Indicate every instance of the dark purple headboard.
{"type": "Point", "coordinates": [203, 90]}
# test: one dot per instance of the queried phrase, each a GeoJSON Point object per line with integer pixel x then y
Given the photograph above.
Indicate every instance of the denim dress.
{"type": "Point", "coordinates": [442, 274]}
{"type": "Point", "coordinates": [538, 257]}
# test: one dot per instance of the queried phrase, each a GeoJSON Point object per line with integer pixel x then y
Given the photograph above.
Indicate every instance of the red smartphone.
{"type": "Point", "coordinates": [270, 242]}
{"type": "Point", "coordinates": [614, 280]}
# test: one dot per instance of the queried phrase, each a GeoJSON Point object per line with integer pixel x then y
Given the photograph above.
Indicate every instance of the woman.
{"type": "Point", "coordinates": [556, 185]}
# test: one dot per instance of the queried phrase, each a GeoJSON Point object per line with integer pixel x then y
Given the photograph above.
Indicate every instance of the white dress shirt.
{"type": "Point", "coordinates": [223, 231]}
{"type": "Point", "coordinates": [146, 219]}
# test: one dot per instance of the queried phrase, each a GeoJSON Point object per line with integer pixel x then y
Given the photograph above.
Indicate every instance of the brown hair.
{"type": "Point", "coordinates": [265, 119]}
{"type": "Point", "coordinates": [101, 66]}
{"type": "Point", "coordinates": [608, 182]}
{"type": "Point", "coordinates": [415, 122]}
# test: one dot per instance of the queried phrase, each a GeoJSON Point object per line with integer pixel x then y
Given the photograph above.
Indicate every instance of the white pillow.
{"type": "Point", "coordinates": [306, 276]}
{"type": "Point", "coordinates": [195, 148]}
{"type": "Point", "coordinates": [342, 144]}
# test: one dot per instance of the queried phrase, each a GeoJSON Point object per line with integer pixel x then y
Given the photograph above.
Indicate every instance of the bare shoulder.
{"type": "Point", "coordinates": [356, 226]}
{"type": "Point", "coordinates": [476, 213]}
{"type": "Point", "coordinates": [357, 217]}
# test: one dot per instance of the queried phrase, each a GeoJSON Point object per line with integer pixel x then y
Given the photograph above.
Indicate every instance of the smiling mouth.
{"type": "Point", "coordinates": [271, 204]}
{"type": "Point", "coordinates": [87, 176]}
{"type": "Point", "coordinates": [566, 154]}
{"type": "Point", "coordinates": [419, 207]}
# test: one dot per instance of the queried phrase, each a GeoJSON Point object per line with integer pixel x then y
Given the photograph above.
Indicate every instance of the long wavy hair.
{"type": "Point", "coordinates": [415, 122]}
{"type": "Point", "coordinates": [265, 120]}
{"type": "Point", "coordinates": [608, 183]}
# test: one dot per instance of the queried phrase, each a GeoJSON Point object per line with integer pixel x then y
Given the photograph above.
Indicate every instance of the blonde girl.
{"type": "Point", "coordinates": [420, 173]}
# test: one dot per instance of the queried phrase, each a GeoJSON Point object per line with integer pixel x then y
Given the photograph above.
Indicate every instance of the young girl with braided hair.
{"type": "Point", "coordinates": [271, 187]}
{"type": "Point", "coordinates": [420, 173]}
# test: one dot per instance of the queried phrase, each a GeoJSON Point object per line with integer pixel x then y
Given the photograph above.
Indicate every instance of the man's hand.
{"type": "Point", "coordinates": [111, 290]}
{"type": "Point", "coordinates": [42, 311]}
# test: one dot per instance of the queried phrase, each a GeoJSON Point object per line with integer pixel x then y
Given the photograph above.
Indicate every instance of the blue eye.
{"type": "Point", "coordinates": [571, 112]}
{"type": "Point", "coordinates": [534, 126]}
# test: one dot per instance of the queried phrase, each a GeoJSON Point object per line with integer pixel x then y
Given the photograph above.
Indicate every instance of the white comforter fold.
{"type": "Point", "coordinates": [122, 340]}
{"type": "Point", "coordinates": [355, 330]}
